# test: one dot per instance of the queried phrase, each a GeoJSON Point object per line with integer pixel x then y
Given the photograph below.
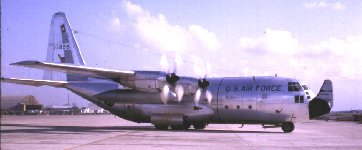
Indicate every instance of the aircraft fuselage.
{"type": "Point", "coordinates": [266, 100]}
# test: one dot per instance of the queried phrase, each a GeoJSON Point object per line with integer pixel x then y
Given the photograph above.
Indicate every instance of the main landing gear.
{"type": "Point", "coordinates": [161, 126]}
{"type": "Point", "coordinates": [185, 126]}
{"type": "Point", "coordinates": [199, 126]}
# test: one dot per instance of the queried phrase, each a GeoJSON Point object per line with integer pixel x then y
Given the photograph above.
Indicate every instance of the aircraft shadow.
{"type": "Point", "coordinates": [26, 128]}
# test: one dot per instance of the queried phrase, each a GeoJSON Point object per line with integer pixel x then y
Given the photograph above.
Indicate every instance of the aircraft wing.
{"type": "Point", "coordinates": [35, 82]}
{"type": "Point", "coordinates": [73, 69]}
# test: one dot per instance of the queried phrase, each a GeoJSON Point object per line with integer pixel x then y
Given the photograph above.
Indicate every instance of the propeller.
{"type": "Point", "coordinates": [202, 92]}
{"type": "Point", "coordinates": [171, 89]}
{"type": "Point", "coordinates": [166, 94]}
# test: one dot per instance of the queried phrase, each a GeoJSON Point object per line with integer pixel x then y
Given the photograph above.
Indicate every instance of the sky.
{"type": "Point", "coordinates": [310, 40]}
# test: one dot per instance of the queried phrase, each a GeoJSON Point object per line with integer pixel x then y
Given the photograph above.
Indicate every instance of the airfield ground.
{"type": "Point", "coordinates": [110, 132]}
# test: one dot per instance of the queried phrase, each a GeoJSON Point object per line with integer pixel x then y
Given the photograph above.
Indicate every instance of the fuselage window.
{"type": "Point", "coordinates": [238, 107]}
{"type": "Point", "coordinates": [299, 99]}
{"type": "Point", "coordinates": [294, 86]}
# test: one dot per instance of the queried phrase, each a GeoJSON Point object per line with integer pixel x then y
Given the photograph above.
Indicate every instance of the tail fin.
{"type": "Point", "coordinates": [62, 47]}
{"type": "Point", "coordinates": [326, 92]}
{"type": "Point", "coordinates": [323, 103]}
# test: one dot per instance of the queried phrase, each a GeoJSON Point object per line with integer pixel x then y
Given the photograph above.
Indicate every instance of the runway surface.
{"type": "Point", "coordinates": [110, 132]}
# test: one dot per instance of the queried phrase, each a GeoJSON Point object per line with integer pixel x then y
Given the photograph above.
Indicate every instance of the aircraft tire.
{"type": "Point", "coordinates": [288, 127]}
{"type": "Point", "coordinates": [187, 126]}
{"type": "Point", "coordinates": [161, 127]}
{"type": "Point", "coordinates": [199, 126]}
{"type": "Point", "coordinates": [177, 127]}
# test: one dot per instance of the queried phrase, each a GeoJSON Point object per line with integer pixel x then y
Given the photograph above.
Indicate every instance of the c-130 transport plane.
{"type": "Point", "coordinates": [168, 100]}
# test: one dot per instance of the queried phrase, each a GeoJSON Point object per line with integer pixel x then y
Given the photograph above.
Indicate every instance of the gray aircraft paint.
{"type": "Point", "coordinates": [62, 47]}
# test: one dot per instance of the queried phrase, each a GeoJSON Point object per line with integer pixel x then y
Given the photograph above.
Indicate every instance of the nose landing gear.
{"type": "Point", "coordinates": [288, 127]}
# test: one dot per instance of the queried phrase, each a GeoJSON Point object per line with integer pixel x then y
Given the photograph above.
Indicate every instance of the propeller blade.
{"type": "Point", "coordinates": [208, 96]}
{"type": "Point", "coordinates": [207, 69]}
{"type": "Point", "coordinates": [177, 63]}
{"type": "Point", "coordinates": [201, 68]}
{"type": "Point", "coordinates": [164, 94]}
{"type": "Point", "coordinates": [179, 92]}
{"type": "Point", "coordinates": [197, 97]}
{"type": "Point", "coordinates": [164, 63]}
{"type": "Point", "coordinates": [167, 95]}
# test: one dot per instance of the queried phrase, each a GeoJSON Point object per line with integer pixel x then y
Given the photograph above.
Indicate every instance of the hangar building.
{"type": "Point", "coordinates": [20, 105]}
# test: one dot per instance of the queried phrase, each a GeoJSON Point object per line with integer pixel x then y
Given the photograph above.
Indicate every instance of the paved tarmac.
{"type": "Point", "coordinates": [110, 132]}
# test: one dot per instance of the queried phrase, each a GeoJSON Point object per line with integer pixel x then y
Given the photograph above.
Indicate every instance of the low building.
{"type": "Point", "coordinates": [101, 111]}
{"type": "Point", "coordinates": [86, 110]}
{"type": "Point", "coordinates": [63, 110]}
{"type": "Point", "coordinates": [90, 111]}
{"type": "Point", "coordinates": [20, 105]}
{"type": "Point", "coordinates": [93, 109]}
{"type": "Point", "coordinates": [357, 118]}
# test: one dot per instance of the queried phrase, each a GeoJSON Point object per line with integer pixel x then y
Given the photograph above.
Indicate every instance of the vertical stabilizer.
{"type": "Point", "coordinates": [62, 47]}
{"type": "Point", "coordinates": [323, 103]}
{"type": "Point", "coordinates": [326, 92]}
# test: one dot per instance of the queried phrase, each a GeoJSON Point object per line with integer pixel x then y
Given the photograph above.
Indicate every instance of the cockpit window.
{"type": "Point", "coordinates": [305, 87]}
{"type": "Point", "coordinates": [294, 86]}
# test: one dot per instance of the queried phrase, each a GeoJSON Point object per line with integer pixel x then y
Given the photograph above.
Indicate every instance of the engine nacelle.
{"type": "Point", "coordinates": [144, 80]}
{"type": "Point", "coordinates": [154, 81]}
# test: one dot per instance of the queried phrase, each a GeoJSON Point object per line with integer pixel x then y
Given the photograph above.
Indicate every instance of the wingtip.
{"type": "Point", "coordinates": [4, 79]}
{"type": "Point", "coordinates": [25, 63]}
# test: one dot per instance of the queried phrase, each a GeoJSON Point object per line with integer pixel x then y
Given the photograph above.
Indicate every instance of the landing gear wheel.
{"type": "Point", "coordinates": [199, 125]}
{"type": "Point", "coordinates": [176, 127]}
{"type": "Point", "coordinates": [161, 127]}
{"type": "Point", "coordinates": [288, 127]}
{"type": "Point", "coordinates": [184, 126]}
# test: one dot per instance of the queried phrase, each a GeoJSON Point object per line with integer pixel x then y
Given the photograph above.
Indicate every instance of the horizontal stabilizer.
{"type": "Point", "coordinates": [35, 82]}
{"type": "Point", "coordinates": [73, 69]}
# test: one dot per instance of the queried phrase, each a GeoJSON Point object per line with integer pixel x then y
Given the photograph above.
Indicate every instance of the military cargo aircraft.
{"type": "Point", "coordinates": [168, 100]}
